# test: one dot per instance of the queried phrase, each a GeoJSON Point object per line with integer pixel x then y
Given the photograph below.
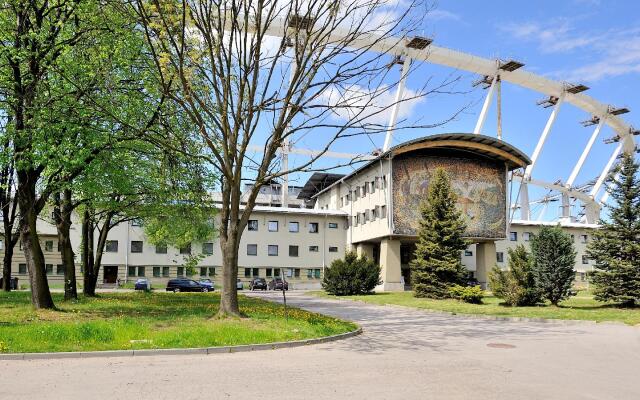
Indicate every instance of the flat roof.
{"type": "Point", "coordinates": [317, 182]}
{"type": "Point", "coordinates": [486, 146]}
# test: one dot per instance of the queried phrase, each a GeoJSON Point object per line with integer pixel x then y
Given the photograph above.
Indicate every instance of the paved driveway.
{"type": "Point", "coordinates": [402, 354]}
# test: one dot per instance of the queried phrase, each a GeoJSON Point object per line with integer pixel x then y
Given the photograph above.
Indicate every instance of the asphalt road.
{"type": "Point", "coordinates": [402, 354]}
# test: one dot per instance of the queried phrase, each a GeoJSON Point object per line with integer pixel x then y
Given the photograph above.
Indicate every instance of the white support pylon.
{"type": "Point", "coordinates": [585, 152]}
{"type": "Point", "coordinates": [485, 107]}
{"type": "Point", "coordinates": [603, 176]}
{"type": "Point", "coordinates": [396, 106]}
{"type": "Point", "coordinates": [525, 210]}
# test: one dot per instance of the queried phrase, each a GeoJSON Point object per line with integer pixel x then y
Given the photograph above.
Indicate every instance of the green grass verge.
{"type": "Point", "coordinates": [138, 320]}
{"type": "Point", "coordinates": [580, 307]}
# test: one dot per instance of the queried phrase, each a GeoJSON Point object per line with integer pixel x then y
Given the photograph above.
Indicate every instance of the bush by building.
{"type": "Point", "coordinates": [468, 294]}
{"type": "Point", "coordinates": [517, 285]}
{"type": "Point", "coordinates": [351, 276]}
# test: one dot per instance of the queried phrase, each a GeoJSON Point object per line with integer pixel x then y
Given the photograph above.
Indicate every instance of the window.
{"type": "Point", "coordinates": [584, 238]}
{"type": "Point", "coordinates": [347, 198]}
{"type": "Point", "coordinates": [293, 251]}
{"type": "Point", "coordinates": [366, 215]}
{"type": "Point", "coordinates": [316, 273]}
{"type": "Point", "coordinates": [313, 227]}
{"type": "Point", "coordinates": [207, 248]}
{"type": "Point", "coordinates": [365, 188]}
{"type": "Point", "coordinates": [156, 272]}
{"type": "Point", "coordinates": [203, 271]}
{"type": "Point", "coordinates": [573, 238]}
{"type": "Point", "coordinates": [256, 272]}
{"type": "Point", "coordinates": [313, 249]}
{"type": "Point", "coordinates": [372, 185]}
{"type": "Point", "coordinates": [49, 269]}
{"type": "Point", "coordinates": [376, 212]}
{"type": "Point", "coordinates": [48, 245]}
{"type": "Point", "coordinates": [186, 249]}
{"type": "Point", "coordinates": [59, 269]}
{"type": "Point", "coordinates": [356, 193]}
{"type": "Point", "coordinates": [468, 253]}
{"type": "Point", "coordinates": [252, 249]}
{"type": "Point", "coordinates": [383, 211]}
{"type": "Point", "coordinates": [165, 271]}
{"type": "Point", "coordinates": [513, 236]}
{"type": "Point", "coordinates": [384, 182]}
{"type": "Point", "coordinates": [333, 225]}
{"type": "Point", "coordinates": [276, 272]}
{"type": "Point", "coordinates": [294, 227]}
{"type": "Point", "coordinates": [355, 220]}
{"type": "Point", "coordinates": [273, 250]}
{"type": "Point", "coordinates": [247, 272]}
{"type": "Point", "coordinates": [252, 225]}
{"type": "Point", "coordinates": [269, 272]}
{"type": "Point", "coordinates": [333, 249]}
{"type": "Point", "coordinates": [1, 244]}
{"type": "Point", "coordinates": [500, 257]}
{"type": "Point", "coordinates": [527, 236]}
{"type": "Point", "coordinates": [309, 273]}
{"type": "Point", "coordinates": [111, 246]}
{"type": "Point", "coordinates": [180, 271]}
{"type": "Point", "coordinates": [273, 226]}
{"type": "Point", "coordinates": [161, 249]}
{"type": "Point", "coordinates": [377, 182]}
{"type": "Point", "coordinates": [131, 271]}
{"type": "Point", "coordinates": [136, 246]}
{"type": "Point", "coordinates": [585, 259]}
{"type": "Point", "coordinates": [141, 271]}
{"type": "Point", "coordinates": [296, 272]}
{"type": "Point", "coordinates": [22, 268]}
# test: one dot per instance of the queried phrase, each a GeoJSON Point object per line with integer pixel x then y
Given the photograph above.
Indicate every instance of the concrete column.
{"type": "Point", "coordinates": [365, 249]}
{"type": "Point", "coordinates": [390, 266]}
{"type": "Point", "coordinates": [485, 260]}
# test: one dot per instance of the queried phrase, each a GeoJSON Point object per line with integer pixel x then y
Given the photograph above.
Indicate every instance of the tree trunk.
{"type": "Point", "coordinates": [62, 213]}
{"type": "Point", "coordinates": [90, 280]}
{"type": "Point", "coordinates": [229, 298]}
{"type": "Point", "coordinates": [40, 294]}
{"type": "Point", "coordinates": [6, 265]}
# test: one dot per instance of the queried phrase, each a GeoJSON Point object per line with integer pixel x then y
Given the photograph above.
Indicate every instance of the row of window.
{"type": "Point", "coordinates": [22, 269]}
{"type": "Point", "coordinates": [361, 191]}
{"type": "Point", "coordinates": [288, 272]}
{"type": "Point", "coordinates": [137, 246]}
{"type": "Point", "coordinates": [294, 226]}
{"type": "Point", "coordinates": [378, 212]}
{"type": "Point", "coordinates": [500, 257]}
{"type": "Point", "coordinates": [527, 236]}
{"type": "Point", "coordinates": [294, 250]}
{"type": "Point", "coordinates": [141, 271]}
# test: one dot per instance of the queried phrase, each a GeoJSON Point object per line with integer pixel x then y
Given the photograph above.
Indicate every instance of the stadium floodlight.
{"type": "Point", "coordinates": [613, 139]}
{"type": "Point", "coordinates": [618, 111]}
{"type": "Point", "coordinates": [419, 43]}
{"type": "Point", "coordinates": [575, 89]}
{"type": "Point", "coordinates": [300, 22]}
{"type": "Point", "coordinates": [485, 82]}
{"type": "Point", "coordinates": [593, 121]}
{"type": "Point", "coordinates": [510, 65]}
{"type": "Point", "coordinates": [548, 102]}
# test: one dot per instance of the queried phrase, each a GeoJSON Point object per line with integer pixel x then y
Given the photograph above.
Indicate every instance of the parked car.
{"type": "Point", "coordinates": [208, 283]}
{"type": "Point", "coordinates": [239, 284]}
{"type": "Point", "coordinates": [143, 284]}
{"type": "Point", "coordinates": [185, 285]}
{"type": "Point", "coordinates": [277, 283]}
{"type": "Point", "coordinates": [258, 284]}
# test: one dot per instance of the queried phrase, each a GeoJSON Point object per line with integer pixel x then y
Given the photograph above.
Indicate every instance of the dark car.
{"type": "Point", "coordinates": [258, 284]}
{"type": "Point", "coordinates": [208, 283]}
{"type": "Point", "coordinates": [277, 283]}
{"type": "Point", "coordinates": [185, 285]}
{"type": "Point", "coordinates": [142, 284]}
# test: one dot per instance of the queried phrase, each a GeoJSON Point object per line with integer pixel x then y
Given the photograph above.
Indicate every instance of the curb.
{"type": "Point", "coordinates": [188, 351]}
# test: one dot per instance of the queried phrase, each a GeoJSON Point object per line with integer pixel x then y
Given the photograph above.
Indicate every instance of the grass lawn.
{"type": "Point", "coordinates": [580, 307]}
{"type": "Point", "coordinates": [138, 320]}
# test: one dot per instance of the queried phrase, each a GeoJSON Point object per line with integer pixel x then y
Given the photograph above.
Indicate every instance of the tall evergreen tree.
{"type": "Point", "coordinates": [553, 261]}
{"type": "Point", "coordinates": [437, 265]}
{"type": "Point", "coordinates": [615, 247]}
{"type": "Point", "coordinates": [517, 285]}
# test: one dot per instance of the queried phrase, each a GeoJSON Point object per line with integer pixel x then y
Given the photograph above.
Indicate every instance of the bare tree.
{"type": "Point", "coordinates": [270, 73]}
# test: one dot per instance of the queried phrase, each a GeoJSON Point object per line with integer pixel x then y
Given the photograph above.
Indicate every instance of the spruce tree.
{"type": "Point", "coordinates": [553, 261]}
{"type": "Point", "coordinates": [517, 285]}
{"type": "Point", "coordinates": [615, 247]}
{"type": "Point", "coordinates": [437, 265]}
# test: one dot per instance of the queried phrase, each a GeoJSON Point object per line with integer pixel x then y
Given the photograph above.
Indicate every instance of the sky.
{"type": "Point", "coordinates": [593, 42]}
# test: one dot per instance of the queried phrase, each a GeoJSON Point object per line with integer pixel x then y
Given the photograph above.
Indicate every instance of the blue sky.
{"type": "Point", "coordinates": [581, 41]}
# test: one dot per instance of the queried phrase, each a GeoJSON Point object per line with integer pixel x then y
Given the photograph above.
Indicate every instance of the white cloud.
{"type": "Point", "coordinates": [438, 15]}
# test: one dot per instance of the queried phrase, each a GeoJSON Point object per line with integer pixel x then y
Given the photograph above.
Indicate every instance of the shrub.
{"type": "Point", "coordinates": [517, 285]}
{"type": "Point", "coordinates": [468, 294]}
{"type": "Point", "coordinates": [553, 261]}
{"type": "Point", "coordinates": [351, 276]}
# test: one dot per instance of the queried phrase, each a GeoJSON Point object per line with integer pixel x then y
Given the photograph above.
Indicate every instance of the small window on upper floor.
{"type": "Point", "coordinates": [500, 256]}
{"type": "Point", "coordinates": [527, 236]}
{"type": "Point", "coordinates": [584, 238]}
{"type": "Point", "coordinates": [48, 245]}
{"type": "Point", "coordinates": [161, 248]}
{"type": "Point", "coordinates": [513, 236]}
{"type": "Point", "coordinates": [207, 248]}
{"type": "Point", "coordinates": [313, 227]}
{"type": "Point", "coordinates": [333, 225]}
{"type": "Point", "coordinates": [186, 249]}
{"type": "Point", "coordinates": [136, 246]}
{"type": "Point", "coordinates": [273, 226]}
{"type": "Point", "coordinates": [111, 246]}
{"type": "Point", "coordinates": [252, 225]}
{"type": "Point", "coordinates": [294, 227]}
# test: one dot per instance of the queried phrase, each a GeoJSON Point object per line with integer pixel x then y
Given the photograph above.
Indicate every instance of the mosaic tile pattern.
{"type": "Point", "coordinates": [480, 186]}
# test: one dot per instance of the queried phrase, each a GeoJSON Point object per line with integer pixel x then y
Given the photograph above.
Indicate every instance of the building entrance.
{"type": "Point", "coordinates": [110, 274]}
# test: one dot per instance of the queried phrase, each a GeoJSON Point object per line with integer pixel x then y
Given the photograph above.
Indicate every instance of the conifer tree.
{"type": "Point", "coordinates": [615, 247]}
{"type": "Point", "coordinates": [437, 264]}
{"type": "Point", "coordinates": [516, 286]}
{"type": "Point", "coordinates": [553, 261]}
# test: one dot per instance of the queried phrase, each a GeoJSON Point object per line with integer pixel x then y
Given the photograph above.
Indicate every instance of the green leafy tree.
{"type": "Point", "coordinates": [553, 263]}
{"type": "Point", "coordinates": [353, 275]}
{"type": "Point", "coordinates": [437, 264]}
{"type": "Point", "coordinates": [517, 285]}
{"type": "Point", "coordinates": [615, 247]}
